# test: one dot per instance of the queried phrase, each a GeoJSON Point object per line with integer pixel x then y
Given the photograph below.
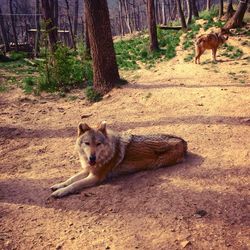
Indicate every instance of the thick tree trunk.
{"type": "Point", "coordinates": [3, 32]}
{"type": "Point", "coordinates": [189, 9]}
{"type": "Point", "coordinates": [37, 38]}
{"type": "Point", "coordinates": [76, 17]}
{"type": "Point", "coordinates": [181, 15]}
{"type": "Point", "coordinates": [70, 26]}
{"type": "Point", "coordinates": [237, 19]}
{"type": "Point", "coordinates": [194, 8]}
{"type": "Point", "coordinates": [152, 26]}
{"type": "Point", "coordinates": [51, 28]}
{"type": "Point", "coordinates": [13, 25]}
{"type": "Point", "coordinates": [102, 49]}
{"type": "Point", "coordinates": [221, 6]}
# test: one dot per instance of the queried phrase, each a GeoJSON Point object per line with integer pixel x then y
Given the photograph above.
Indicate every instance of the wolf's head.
{"type": "Point", "coordinates": [93, 144]}
{"type": "Point", "coordinates": [223, 35]}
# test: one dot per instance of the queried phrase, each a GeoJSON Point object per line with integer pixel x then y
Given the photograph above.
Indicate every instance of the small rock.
{"type": "Point", "coordinates": [59, 246]}
{"type": "Point", "coordinates": [85, 116]}
{"type": "Point", "coordinates": [106, 96]}
{"type": "Point", "coordinates": [200, 213]}
{"type": "Point", "coordinates": [185, 243]}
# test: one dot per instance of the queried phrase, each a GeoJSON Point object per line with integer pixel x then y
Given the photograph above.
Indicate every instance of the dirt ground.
{"type": "Point", "coordinates": [202, 203]}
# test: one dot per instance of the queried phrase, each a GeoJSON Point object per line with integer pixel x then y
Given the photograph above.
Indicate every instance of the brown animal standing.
{"type": "Point", "coordinates": [103, 152]}
{"type": "Point", "coordinates": [209, 41]}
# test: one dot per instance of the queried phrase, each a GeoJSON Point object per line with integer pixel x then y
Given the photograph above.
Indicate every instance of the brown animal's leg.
{"type": "Point", "coordinates": [89, 181]}
{"type": "Point", "coordinates": [71, 180]}
{"type": "Point", "coordinates": [199, 51]}
{"type": "Point", "coordinates": [214, 54]}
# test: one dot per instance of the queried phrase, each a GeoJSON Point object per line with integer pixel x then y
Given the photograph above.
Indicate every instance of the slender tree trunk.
{"type": "Point", "coordinates": [221, 6]}
{"type": "Point", "coordinates": [70, 26]}
{"type": "Point", "coordinates": [102, 49]}
{"type": "Point", "coordinates": [86, 34]}
{"type": "Point", "coordinates": [3, 32]}
{"type": "Point", "coordinates": [152, 26]}
{"type": "Point", "coordinates": [189, 9]}
{"type": "Point", "coordinates": [76, 17]}
{"type": "Point", "coordinates": [50, 27]}
{"type": "Point", "coordinates": [13, 24]}
{"type": "Point", "coordinates": [163, 10]}
{"type": "Point", "coordinates": [127, 15]}
{"type": "Point", "coordinates": [120, 17]}
{"type": "Point", "coordinates": [230, 11]}
{"type": "Point", "coordinates": [208, 4]}
{"type": "Point", "coordinates": [37, 38]}
{"type": "Point", "coordinates": [54, 3]}
{"type": "Point", "coordinates": [237, 19]}
{"type": "Point", "coordinates": [181, 15]}
{"type": "Point", "coordinates": [195, 9]}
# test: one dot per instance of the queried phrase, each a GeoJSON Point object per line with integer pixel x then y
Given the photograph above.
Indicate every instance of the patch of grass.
{"type": "Point", "coordinates": [92, 95]}
{"type": "Point", "coordinates": [208, 15]}
{"type": "Point", "coordinates": [130, 52]}
{"type": "Point", "coordinates": [28, 85]}
{"type": "Point", "coordinates": [189, 57]}
{"type": "Point", "coordinates": [17, 55]}
{"type": "Point", "coordinates": [232, 52]}
{"type": "Point", "coordinates": [3, 88]}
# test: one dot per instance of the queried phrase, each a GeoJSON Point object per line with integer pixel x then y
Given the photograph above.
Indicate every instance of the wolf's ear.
{"type": "Point", "coordinates": [82, 128]}
{"type": "Point", "coordinates": [102, 128]}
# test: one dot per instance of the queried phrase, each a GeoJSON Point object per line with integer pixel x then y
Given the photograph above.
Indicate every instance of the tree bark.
{"type": "Point", "coordinates": [195, 9]}
{"type": "Point", "coordinates": [221, 6]}
{"type": "Point", "coordinates": [189, 9]}
{"type": "Point", "coordinates": [127, 15]}
{"type": "Point", "coordinates": [120, 17]}
{"type": "Point", "coordinates": [208, 4]}
{"type": "Point", "coordinates": [13, 24]}
{"type": "Point", "coordinates": [181, 15]}
{"type": "Point", "coordinates": [51, 29]}
{"type": "Point", "coordinates": [237, 19]}
{"type": "Point", "coordinates": [37, 38]}
{"type": "Point", "coordinates": [76, 17]}
{"type": "Point", "coordinates": [3, 32]}
{"type": "Point", "coordinates": [152, 26]}
{"type": "Point", "coordinates": [70, 26]}
{"type": "Point", "coordinates": [230, 11]}
{"type": "Point", "coordinates": [102, 49]}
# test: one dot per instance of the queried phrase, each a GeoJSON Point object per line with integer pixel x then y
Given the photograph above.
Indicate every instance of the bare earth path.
{"type": "Point", "coordinates": [202, 203]}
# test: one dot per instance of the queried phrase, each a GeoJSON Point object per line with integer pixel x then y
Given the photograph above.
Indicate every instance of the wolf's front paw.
{"type": "Point", "coordinates": [57, 186]}
{"type": "Point", "coordinates": [59, 193]}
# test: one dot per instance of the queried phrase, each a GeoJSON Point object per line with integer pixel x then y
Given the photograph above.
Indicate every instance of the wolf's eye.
{"type": "Point", "coordinates": [86, 143]}
{"type": "Point", "coordinates": [98, 144]}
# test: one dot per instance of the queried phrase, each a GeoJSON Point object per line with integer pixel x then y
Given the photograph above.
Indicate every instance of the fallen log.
{"type": "Point", "coordinates": [163, 27]}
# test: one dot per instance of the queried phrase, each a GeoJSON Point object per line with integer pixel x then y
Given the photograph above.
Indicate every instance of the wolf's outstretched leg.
{"type": "Point", "coordinates": [71, 180]}
{"type": "Point", "coordinates": [89, 181]}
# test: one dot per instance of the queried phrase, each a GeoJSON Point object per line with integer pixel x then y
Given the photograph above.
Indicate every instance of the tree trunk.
{"type": "Point", "coordinates": [120, 17]}
{"type": "Point", "coordinates": [127, 15]}
{"type": "Point", "coordinates": [195, 9]}
{"type": "Point", "coordinates": [181, 15]}
{"type": "Point", "coordinates": [50, 27]}
{"type": "Point", "coordinates": [230, 11]}
{"type": "Point", "coordinates": [189, 9]}
{"type": "Point", "coordinates": [37, 38]}
{"type": "Point", "coordinates": [163, 12]}
{"type": "Point", "coordinates": [55, 11]}
{"type": "Point", "coordinates": [76, 17]}
{"type": "Point", "coordinates": [237, 19]}
{"type": "Point", "coordinates": [70, 26]}
{"type": "Point", "coordinates": [3, 32]}
{"type": "Point", "coordinates": [208, 4]}
{"type": "Point", "coordinates": [102, 49]}
{"type": "Point", "coordinates": [152, 26]}
{"type": "Point", "coordinates": [13, 24]}
{"type": "Point", "coordinates": [221, 6]}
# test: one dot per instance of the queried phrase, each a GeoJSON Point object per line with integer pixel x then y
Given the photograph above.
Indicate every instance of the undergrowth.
{"type": "Point", "coordinates": [131, 53]}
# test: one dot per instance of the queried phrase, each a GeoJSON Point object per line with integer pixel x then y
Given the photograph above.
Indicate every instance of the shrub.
{"type": "Point", "coordinates": [17, 55]}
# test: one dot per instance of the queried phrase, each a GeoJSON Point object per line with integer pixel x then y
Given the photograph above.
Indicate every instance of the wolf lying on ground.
{"type": "Point", "coordinates": [103, 152]}
{"type": "Point", "coordinates": [209, 41]}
